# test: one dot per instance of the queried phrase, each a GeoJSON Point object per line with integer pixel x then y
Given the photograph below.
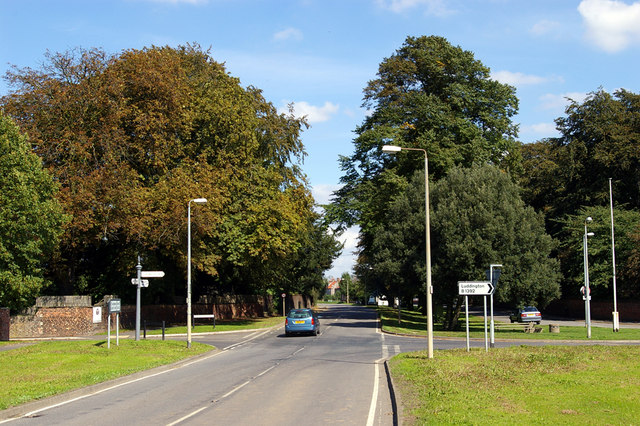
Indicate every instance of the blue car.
{"type": "Point", "coordinates": [301, 321]}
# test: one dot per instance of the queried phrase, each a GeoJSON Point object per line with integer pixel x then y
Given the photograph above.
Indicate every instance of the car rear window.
{"type": "Point", "coordinates": [299, 314]}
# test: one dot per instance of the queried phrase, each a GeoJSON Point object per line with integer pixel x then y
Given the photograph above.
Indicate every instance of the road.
{"type": "Point", "coordinates": [255, 378]}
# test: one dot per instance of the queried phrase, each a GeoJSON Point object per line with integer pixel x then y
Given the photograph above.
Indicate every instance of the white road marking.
{"type": "Point", "coordinates": [374, 397]}
{"type": "Point", "coordinates": [97, 392]}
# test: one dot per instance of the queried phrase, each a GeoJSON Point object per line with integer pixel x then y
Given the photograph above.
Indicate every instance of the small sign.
{"type": "Point", "coordinates": [143, 283]}
{"type": "Point", "coordinates": [97, 314]}
{"type": "Point", "coordinates": [152, 274]}
{"type": "Point", "coordinates": [114, 306]}
{"type": "Point", "coordinates": [475, 288]}
{"type": "Point", "coordinates": [284, 295]}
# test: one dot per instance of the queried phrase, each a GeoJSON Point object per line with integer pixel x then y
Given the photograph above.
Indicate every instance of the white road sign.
{"type": "Point", "coordinates": [152, 274]}
{"type": "Point", "coordinates": [475, 288]}
{"type": "Point", "coordinates": [145, 283]}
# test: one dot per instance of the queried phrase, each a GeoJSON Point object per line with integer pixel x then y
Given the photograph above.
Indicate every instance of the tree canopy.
{"type": "Point", "coordinates": [31, 219]}
{"type": "Point", "coordinates": [131, 138]}
{"type": "Point", "coordinates": [567, 178]}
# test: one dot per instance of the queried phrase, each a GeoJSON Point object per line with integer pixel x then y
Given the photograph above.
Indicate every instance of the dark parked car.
{"type": "Point", "coordinates": [301, 321]}
{"type": "Point", "coordinates": [527, 314]}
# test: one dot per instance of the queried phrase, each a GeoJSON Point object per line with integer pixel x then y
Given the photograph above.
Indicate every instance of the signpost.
{"type": "Point", "coordinates": [113, 307]}
{"type": "Point", "coordinates": [493, 274]}
{"type": "Point", "coordinates": [139, 283]}
{"type": "Point", "coordinates": [476, 288]}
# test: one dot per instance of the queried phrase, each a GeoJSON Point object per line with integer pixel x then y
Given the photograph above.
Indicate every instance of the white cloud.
{"type": "Point", "coordinates": [348, 258]}
{"type": "Point", "coordinates": [538, 131]}
{"type": "Point", "coordinates": [322, 193]}
{"type": "Point", "coordinates": [288, 34]}
{"type": "Point", "coordinates": [433, 7]}
{"type": "Point", "coordinates": [545, 27]}
{"type": "Point", "coordinates": [314, 114]}
{"type": "Point", "coordinates": [517, 78]}
{"type": "Point", "coordinates": [611, 24]}
{"type": "Point", "coordinates": [559, 102]}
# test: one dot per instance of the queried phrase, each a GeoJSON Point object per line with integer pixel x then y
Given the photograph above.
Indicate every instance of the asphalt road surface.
{"type": "Point", "coordinates": [256, 378]}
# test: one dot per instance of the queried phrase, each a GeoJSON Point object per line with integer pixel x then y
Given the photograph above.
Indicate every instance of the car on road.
{"type": "Point", "coordinates": [527, 314]}
{"type": "Point", "coordinates": [301, 321]}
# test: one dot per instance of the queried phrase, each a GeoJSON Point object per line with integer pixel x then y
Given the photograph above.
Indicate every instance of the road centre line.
{"type": "Point", "coordinates": [234, 390]}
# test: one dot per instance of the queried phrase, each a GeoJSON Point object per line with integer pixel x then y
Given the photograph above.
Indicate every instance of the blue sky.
{"type": "Point", "coordinates": [320, 54]}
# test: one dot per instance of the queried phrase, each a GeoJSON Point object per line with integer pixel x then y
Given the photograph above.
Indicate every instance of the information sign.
{"type": "Point", "coordinates": [475, 288]}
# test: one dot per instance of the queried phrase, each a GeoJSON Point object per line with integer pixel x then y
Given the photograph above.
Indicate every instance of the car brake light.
{"type": "Point", "coordinates": [523, 315]}
{"type": "Point", "coordinates": [286, 321]}
{"type": "Point", "coordinates": [312, 321]}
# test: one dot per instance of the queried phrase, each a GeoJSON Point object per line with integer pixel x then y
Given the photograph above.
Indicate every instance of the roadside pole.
{"type": "Point", "coordinates": [491, 275]}
{"type": "Point", "coordinates": [476, 288]}
{"type": "Point", "coordinates": [466, 306]}
{"type": "Point", "coordinates": [138, 285]}
{"type": "Point", "coordinates": [486, 340]}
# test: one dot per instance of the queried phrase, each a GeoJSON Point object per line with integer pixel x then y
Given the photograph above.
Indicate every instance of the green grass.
{"type": "Point", "coordinates": [538, 385]}
{"type": "Point", "coordinates": [226, 325]}
{"type": "Point", "coordinates": [414, 323]}
{"type": "Point", "coordinates": [49, 368]}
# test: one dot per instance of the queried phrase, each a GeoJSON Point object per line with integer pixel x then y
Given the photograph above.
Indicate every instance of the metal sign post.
{"type": "Point", "coordinates": [113, 307]}
{"type": "Point", "coordinates": [477, 288]}
{"type": "Point", "coordinates": [466, 305]}
{"type": "Point", "coordinates": [493, 278]}
{"type": "Point", "coordinates": [139, 283]}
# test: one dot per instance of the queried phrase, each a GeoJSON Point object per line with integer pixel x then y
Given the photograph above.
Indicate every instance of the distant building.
{"type": "Point", "coordinates": [332, 286]}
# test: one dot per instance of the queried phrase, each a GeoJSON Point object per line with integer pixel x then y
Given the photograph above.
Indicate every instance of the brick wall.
{"type": "Point", "coordinates": [56, 322]}
{"type": "Point", "coordinates": [4, 324]}
{"type": "Point", "coordinates": [600, 310]}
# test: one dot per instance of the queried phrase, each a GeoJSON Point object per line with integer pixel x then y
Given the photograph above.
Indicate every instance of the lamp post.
{"type": "Point", "coordinates": [429, 288]}
{"type": "Point", "coordinates": [616, 318]}
{"type": "Point", "coordinates": [197, 201]}
{"type": "Point", "coordinates": [587, 292]}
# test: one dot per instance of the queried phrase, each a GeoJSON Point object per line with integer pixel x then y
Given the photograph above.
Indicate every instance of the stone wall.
{"type": "Point", "coordinates": [57, 316]}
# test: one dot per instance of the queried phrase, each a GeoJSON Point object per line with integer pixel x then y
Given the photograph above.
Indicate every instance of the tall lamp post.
{"type": "Point", "coordinates": [197, 201]}
{"type": "Point", "coordinates": [587, 292]}
{"type": "Point", "coordinates": [429, 288]}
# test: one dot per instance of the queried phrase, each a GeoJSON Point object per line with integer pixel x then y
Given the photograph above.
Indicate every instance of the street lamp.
{"type": "Point", "coordinates": [587, 292]}
{"type": "Point", "coordinates": [197, 201]}
{"type": "Point", "coordinates": [429, 289]}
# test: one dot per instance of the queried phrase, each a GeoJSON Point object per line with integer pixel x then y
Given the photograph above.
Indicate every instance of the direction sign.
{"type": "Point", "coordinates": [475, 288]}
{"type": "Point", "coordinates": [144, 283]}
{"type": "Point", "coordinates": [152, 274]}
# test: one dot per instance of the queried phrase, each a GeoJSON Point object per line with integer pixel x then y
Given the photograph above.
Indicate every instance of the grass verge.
{"type": "Point", "coordinates": [226, 325]}
{"type": "Point", "coordinates": [53, 367]}
{"type": "Point", "coordinates": [414, 323]}
{"type": "Point", "coordinates": [541, 385]}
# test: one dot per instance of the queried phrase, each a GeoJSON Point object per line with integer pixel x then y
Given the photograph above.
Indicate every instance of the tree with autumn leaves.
{"type": "Point", "coordinates": [131, 138]}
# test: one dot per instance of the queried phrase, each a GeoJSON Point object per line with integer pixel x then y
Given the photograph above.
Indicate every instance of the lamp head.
{"type": "Point", "coordinates": [391, 148]}
{"type": "Point", "coordinates": [590, 234]}
{"type": "Point", "coordinates": [588, 219]}
{"type": "Point", "coordinates": [199, 200]}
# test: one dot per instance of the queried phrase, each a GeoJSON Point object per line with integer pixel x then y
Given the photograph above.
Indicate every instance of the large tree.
{"type": "Point", "coordinates": [428, 95]}
{"type": "Point", "coordinates": [132, 137]}
{"type": "Point", "coordinates": [31, 219]}
{"type": "Point", "coordinates": [479, 218]}
{"type": "Point", "coordinates": [567, 178]}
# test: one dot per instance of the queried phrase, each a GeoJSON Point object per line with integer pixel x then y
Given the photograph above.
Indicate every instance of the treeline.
{"type": "Point", "coordinates": [126, 141]}
{"type": "Point", "coordinates": [493, 199]}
